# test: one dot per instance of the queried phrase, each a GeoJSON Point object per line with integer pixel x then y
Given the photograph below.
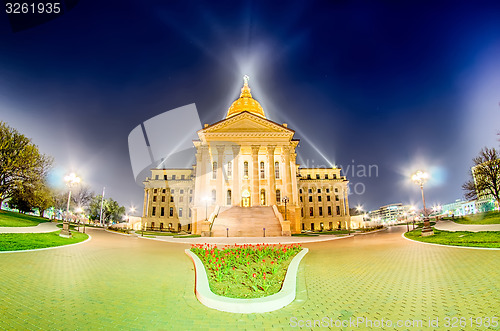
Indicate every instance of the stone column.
{"type": "Point", "coordinates": [236, 198]}
{"type": "Point", "coordinates": [272, 178]}
{"type": "Point", "coordinates": [255, 175]}
{"type": "Point", "coordinates": [220, 175]}
{"type": "Point", "coordinates": [293, 168]}
{"type": "Point", "coordinates": [198, 177]}
{"type": "Point", "coordinates": [145, 208]}
{"type": "Point", "coordinates": [288, 180]}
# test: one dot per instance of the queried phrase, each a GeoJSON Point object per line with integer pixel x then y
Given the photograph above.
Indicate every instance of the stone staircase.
{"type": "Point", "coordinates": [246, 222]}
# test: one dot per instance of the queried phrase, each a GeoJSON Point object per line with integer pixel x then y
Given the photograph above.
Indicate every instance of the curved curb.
{"type": "Point", "coordinates": [47, 248]}
{"type": "Point", "coordinates": [246, 306]}
{"type": "Point", "coordinates": [468, 247]}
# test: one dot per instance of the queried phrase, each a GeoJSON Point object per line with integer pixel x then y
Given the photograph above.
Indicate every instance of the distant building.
{"type": "Point", "coordinates": [390, 213]}
{"type": "Point", "coordinates": [461, 208]}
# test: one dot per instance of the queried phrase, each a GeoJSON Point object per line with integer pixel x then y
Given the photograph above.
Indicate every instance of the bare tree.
{"type": "Point", "coordinates": [485, 175]}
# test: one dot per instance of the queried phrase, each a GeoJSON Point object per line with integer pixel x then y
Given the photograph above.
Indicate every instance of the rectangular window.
{"type": "Point", "coordinates": [155, 191]}
{"type": "Point", "coordinates": [262, 170]}
{"type": "Point", "coordinates": [153, 212]}
{"type": "Point", "coordinates": [190, 199]}
{"type": "Point", "coordinates": [181, 192]}
{"type": "Point", "coordinates": [319, 190]}
{"type": "Point", "coordinates": [311, 211]}
{"type": "Point", "coordinates": [336, 197]}
{"type": "Point", "coordinates": [277, 170]}
{"type": "Point", "coordinates": [162, 211]}
{"type": "Point", "coordinates": [334, 176]}
{"type": "Point", "coordinates": [310, 191]}
{"type": "Point", "coordinates": [326, 176]}
{"type": "Point", "coordinates": [310, 199]}
{"type": "Point", "coordinates": [189, 215]}
{"type": "Point", "coordinates": [319, 198]}
{"type": "Point", "coordinates": [165, 177]}
{"type": "Point", "coordinates": [163, 199]}
{"type": "Point", "coordinates": [327, 190]}
{"type": "Point", "coordinates": [171, 212]}
{"type": "Point", "coordinates": [163, 191]}
{"type": "Point", "coordinates": [181, 199]}
{"type": "Point", "coordinates": [214, 170]}
{"type": "Point", "coordinates": [338, 210]}
{"type": "Point", "coordinates": [301, 199]}
{"type": "Point", "coordinates": [320, 211]}
{"type": "Point", "coordinates": [229, 169]}
{"type": "Point", "coordinates": [172, 191]}
{"type": "Point", "coordinates": [180, 212]}
{"type": "Point", "coordinates": [154, 198]}
{"type": "Point", "coordinates": [183, 177]}
{"type": "Point", "coordinates": [157, 177]}
{"type": "Point", "coordinates": [312, 226]}
{"type": "Point", "coordinates": [308, 176]}
{"type": "Point", "coordinates": [245, 169]}
{"type": "Point", "coordinates": [327, 198]}
{"type": "Point", "coordinates": [173, 177]}
{"type": "Point", "coordinates": [329, 210]}
{"type": "Point", "coordinates": [317, 176]}
{"type": "Point", "coordinates": [171, 199]}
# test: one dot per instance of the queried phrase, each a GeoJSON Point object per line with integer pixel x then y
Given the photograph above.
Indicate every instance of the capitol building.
{"type": "Point", "coordinates": [246, 182]}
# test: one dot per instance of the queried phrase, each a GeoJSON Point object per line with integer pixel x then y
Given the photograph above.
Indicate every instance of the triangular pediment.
{"type": "Point", "coordinates": [246, 122]}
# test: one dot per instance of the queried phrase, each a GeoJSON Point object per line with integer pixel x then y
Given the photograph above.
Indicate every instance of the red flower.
{"type": "Point", "coordinates": [254, 275]}
{"type": "Point", "coordinates": [234, 268]}
{"type": "Point", "coordinates": [263, 261]}
{"type": "Point", "coordinates": [264, 276]}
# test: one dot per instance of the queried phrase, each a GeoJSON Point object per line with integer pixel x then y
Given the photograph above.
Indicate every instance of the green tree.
{"type": "Point", "coordinates": [30, 196]}
{"type": "Point", "coordinates": [111, 210]}
{"type": "Point", "coordinates": [21, 163]}
{"type": "Point", "coordinates": [484, 176]}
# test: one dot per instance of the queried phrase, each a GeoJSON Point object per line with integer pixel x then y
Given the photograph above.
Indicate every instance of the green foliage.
{"type": "Point", "coordinates": [491, 217]}
{"type": "Point", "coordinates": [246, 271]}
{"type": "Point", "coordinates": [23, 241]}
{"type": "Point", "coordinates": [12, 219]}
{"type": "Point", "coordinates": [111, 210]}
{"type": "Point", "coordinates": [21, 163]}
{"type": "Point", "coordinates": [459, 238]}
{"type": "Point", "coordinates": [30, 196]}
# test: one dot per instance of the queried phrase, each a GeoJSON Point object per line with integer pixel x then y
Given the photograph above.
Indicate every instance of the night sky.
{"type": "Point", "coordinates": [397, 85]}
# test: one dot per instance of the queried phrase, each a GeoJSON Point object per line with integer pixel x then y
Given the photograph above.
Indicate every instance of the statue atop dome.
{"type": "Point", "coordinates": [246, 102]}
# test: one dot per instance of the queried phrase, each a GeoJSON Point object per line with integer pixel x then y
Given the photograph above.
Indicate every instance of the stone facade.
{"type": "Point", "coordinates": [246, 160]}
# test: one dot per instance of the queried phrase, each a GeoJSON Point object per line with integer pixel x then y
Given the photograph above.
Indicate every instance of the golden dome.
{"type": "Point", "coordinates": [246, 103]}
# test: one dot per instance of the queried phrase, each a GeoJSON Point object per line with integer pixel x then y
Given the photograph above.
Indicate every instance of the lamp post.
{"type": "Point", "coordinates": [419, 178]}
{"type": "Point", "coordinates": [406, 221]}
{"type": "Point", "coordinates": [206, 207]}
{"type": "Point", "coordinates": [285, 201]}
{"type": "Point", "coordinates": [70, 180]}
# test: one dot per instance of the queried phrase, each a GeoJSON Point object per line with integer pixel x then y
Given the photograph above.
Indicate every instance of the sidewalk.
{"type": "Point", "coordinates": [246, 240]}
{"type": "Point", "coordinates": [40, 228]}
{"type": "Point", "coordinates": [452, 226]}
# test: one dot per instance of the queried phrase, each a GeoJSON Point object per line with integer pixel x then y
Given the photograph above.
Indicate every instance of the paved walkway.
{"type": "Point", "coordinates": [116, 282]}
{"type": "Point", "coordinates": [40, 228]}
{"type": "Point", "coordinates": [452, 226]}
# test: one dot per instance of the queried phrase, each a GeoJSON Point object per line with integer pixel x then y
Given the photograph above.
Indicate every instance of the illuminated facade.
{"type": "Point", "coordinates": [245, 168]}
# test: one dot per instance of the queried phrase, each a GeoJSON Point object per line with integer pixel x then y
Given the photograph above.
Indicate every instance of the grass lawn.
{"type": "Point", "coordinates": [489, 239]}
{"type": "Point", "coordinates": [188, 236]}
{"type": "Point", "coordinates": [246, 271]}
{"type": "Point", "coordinates": [9, 218]}
{"type": "Point", "coordinates": [23, 241]}
{"type": "Point", "coordinates": [490, 217]}
{"type": "Point", "coordinates": [305, 235]}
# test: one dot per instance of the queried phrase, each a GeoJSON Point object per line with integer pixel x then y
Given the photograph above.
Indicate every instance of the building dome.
{"type": "Point", "coordinates": [246, 103]}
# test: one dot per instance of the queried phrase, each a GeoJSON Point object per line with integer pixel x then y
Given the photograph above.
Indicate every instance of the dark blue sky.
{"type": "Point", "coordinates": [396, 85]}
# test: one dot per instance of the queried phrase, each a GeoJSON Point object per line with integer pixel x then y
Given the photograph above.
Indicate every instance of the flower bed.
{"type": "Point", "coordinates": [246, 271]}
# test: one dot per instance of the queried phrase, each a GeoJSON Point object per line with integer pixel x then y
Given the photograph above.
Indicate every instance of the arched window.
{"type": "Point", "coordinates": [278, 197]}
{"type": "Point", "coordinates": [214, 196]}
{"type": "Point", "coordinates": [277, 170]}
{"type": "Point", "coordinates": [245, 169]}
{"type": "Point", "coordinates": [262, 170]}
{"type": "Point", "coordinates": [214, 170]}
{"type": "Point", "coordinates": [228, 198]}
{"type": "Point", "coordinates": [263, 197]}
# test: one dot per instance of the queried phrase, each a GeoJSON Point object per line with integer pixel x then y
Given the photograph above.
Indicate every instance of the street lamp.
{"type": "Point", "coordinates": [405, 214]}
{"type": "Point", "coordinates": [285, 201]}
{"type": "Point", "coordinates": [419, 178]}
{"type": "Point", "coordinates": [70, 180]}
{"type": "Point", "coordinates": [206, 199]}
